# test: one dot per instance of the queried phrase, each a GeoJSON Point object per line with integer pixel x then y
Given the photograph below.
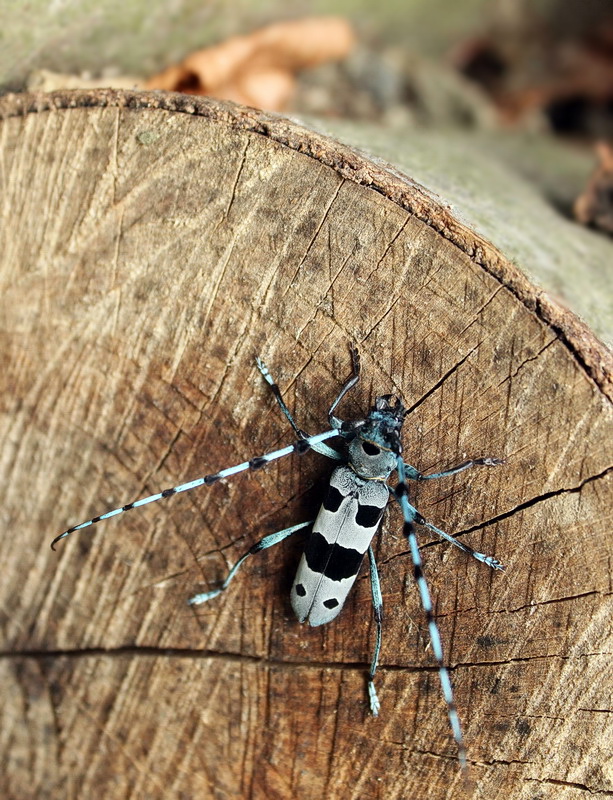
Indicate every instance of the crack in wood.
{"type": "Point", "coordinates": [525, 505]}
{"type": "Point", "coordinates": [238, 658]}
{"type": "Point", "coordinates": [569, 784]}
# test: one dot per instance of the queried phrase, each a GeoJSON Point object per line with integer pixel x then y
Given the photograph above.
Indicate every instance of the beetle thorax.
{"type": "Point", "coordinates": [373, 451]}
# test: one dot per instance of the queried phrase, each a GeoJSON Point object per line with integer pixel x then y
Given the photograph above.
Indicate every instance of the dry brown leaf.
{"type": "Point", "coordinates": [258, 69]}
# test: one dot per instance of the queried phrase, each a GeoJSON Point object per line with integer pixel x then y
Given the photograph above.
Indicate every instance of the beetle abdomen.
{"type": "Point", "coordinates": [347, 521]}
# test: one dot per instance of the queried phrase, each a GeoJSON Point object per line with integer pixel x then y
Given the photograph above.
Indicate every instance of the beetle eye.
{"type": "Point", "coordinates": [370, 449]}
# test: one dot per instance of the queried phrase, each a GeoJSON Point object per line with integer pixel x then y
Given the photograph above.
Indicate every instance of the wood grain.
{"type": "Point", "coordinates": [151, 247]}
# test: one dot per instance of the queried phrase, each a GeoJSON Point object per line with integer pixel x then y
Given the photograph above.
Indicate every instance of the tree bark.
{"type": "Point", "coordinates": [153, 245]}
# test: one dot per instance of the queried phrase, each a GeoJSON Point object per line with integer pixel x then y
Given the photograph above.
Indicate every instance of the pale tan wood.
{"type": "Point", "coordinates": [151, 247]}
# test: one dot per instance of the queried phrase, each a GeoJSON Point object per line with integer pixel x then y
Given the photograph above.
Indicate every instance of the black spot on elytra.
{"type": "Point", "coordinates": [331, 603]}
{"type": "Point", "coordinates": [333, 499]}
{"type": "Point", "coordinates": [300, 590]}
{"type": "Point", "coordinates": [317, 552]}
{"type": "Point", "coordinates": [331, 560]}
{"type": "Point", "coordinates": [368, 516]}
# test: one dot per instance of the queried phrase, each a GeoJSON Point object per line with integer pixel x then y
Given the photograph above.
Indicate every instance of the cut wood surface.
{"type": "Point", "coordinates": [152, 246]}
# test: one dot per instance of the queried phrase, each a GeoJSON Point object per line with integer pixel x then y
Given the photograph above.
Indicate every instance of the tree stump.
{"type": "Point", "coordinates": [153, 245]}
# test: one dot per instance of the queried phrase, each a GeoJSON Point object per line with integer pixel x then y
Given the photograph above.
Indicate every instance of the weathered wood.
{"type": "Point", "coordinates": [151, 247]}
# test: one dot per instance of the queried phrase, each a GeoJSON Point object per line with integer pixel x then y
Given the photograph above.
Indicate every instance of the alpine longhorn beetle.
{"type": "Point", "coordinates": [348, 519]}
